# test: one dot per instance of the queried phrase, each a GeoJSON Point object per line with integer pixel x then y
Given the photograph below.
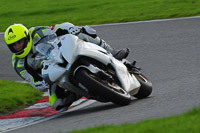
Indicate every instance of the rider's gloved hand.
{"type": "Point", "coordinates": [74, 30]}
{"type": "Point", "coordinates": [42, 85]}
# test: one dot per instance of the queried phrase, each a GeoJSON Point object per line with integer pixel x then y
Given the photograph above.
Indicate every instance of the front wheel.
{"type": "Point", "coordinates": [145, 88]}
{"type": "Point", "coordinates": [104, 88]}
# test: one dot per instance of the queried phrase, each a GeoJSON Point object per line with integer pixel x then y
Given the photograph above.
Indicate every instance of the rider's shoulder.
{"type": "Point", "coordinates": [14, 58]}
{"type": "Point", "coordinates": [37, 29]}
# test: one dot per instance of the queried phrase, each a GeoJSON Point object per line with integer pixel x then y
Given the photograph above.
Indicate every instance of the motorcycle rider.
{"type": "Point", "coordinates": [22, 43]}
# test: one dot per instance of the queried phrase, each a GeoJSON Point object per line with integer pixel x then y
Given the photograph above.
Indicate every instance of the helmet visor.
{"type": "Point", "coordinates": [18, 46]}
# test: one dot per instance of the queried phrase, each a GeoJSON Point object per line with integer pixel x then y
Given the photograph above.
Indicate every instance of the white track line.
{"type": "Point", "coordinates": [137, 22]}
{"type": "Point", "coordinates": [148, 21]}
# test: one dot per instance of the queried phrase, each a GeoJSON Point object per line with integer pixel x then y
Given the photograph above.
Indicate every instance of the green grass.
{"type": "Point", "coordinates": [88, 12]}
{"type": "Point", "coordinates": [184, 123]}
{"type": "Point", "coordinates": [13, 95]}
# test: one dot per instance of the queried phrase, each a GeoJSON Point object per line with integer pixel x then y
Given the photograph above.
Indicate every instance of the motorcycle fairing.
{"type": "Point", "coordinates": [72, 48]}
{"type": "Point", "coordinates": [77, 47]}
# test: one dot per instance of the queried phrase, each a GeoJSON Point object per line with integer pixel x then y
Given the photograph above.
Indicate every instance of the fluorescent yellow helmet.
{"type": "Point", "coordinates": [16, 34]}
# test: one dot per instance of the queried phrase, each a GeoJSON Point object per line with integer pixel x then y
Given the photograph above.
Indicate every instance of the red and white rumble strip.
{"type": "Point", "coordinates": [31, 114]}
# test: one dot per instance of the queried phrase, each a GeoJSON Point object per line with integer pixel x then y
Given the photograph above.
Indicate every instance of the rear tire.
{"type": "Point", "coordinates": [103, 88]}
{"type": "Point", "coordinates": [146, 86]}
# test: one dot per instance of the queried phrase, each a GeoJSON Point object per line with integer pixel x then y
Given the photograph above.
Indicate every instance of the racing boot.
{"type": "Point", "coordinates": [118, 54]}
{"type": "Point", "coordinates": [61, 99]}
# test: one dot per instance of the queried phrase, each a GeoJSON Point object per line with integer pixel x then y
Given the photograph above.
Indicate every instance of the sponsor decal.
{"type": "Point", "coordinates": [10, 30]}
{"type": "Point", "coordinates": [63, 38]}
{"type": "Point", "coordinates": [11, 37]}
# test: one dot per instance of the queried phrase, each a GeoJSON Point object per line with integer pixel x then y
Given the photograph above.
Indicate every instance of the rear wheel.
{"type": "Point", "coordinates": [146, 86]}
{"type": "Point", "coordinates": [105, 88]}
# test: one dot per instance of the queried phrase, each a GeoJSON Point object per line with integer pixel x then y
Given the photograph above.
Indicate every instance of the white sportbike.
{"type": "Point", "coordinates": [89, 70]}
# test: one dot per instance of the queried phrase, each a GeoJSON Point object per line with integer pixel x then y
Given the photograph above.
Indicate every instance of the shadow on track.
{"type": "Point", "coordinates": [100, 107]}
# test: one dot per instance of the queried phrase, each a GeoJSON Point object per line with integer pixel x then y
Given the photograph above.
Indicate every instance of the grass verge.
{"type": "Point", "coordinates": [88, 12]}
{"type": "Point", "coordinates": [184, 123]}
{"type": "Point", "coordinates": [15, 96]}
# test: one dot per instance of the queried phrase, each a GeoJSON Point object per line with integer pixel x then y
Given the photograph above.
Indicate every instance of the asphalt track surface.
{"type": "Point", "coordinates": [167, 52]}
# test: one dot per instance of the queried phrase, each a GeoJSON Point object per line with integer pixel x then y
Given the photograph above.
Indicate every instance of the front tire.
{"type": "Point", "coordinates": [145, 88]}
{"type": "Point", "coordinates": [103, 88]}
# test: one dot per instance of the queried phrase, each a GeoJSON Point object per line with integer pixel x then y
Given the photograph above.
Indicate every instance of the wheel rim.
{"type": "Point", "coordinates": [142, 78]}
{"type": "Point", "coordinates": [115, 87]}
